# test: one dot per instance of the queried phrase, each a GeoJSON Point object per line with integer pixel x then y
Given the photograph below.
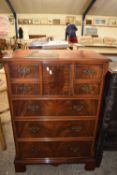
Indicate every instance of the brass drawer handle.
{"type": "Point", "coordinates": [34, 130]}
{"type": "Point", "coordinates": [86, 88]}
{"type": "Point", "coordinates": [89, 71]}
{"type": "Point", "coordinates": [34, 150]}
{"type": "Point", "coordinates": [74, 150]}
{"type": "Point", "coordinates": [78, 107]}
{"type": "Point", "coordinates": [33, 107]}
{"type": "Point", "coordinates": [76, 128]}
{"type": "Point", "coordinates": [23, 71]}
{"type": "Point", "coordinates": [24, 88]}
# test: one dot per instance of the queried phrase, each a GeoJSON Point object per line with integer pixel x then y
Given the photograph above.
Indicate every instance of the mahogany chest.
{"type": "Point", "coordinates": [55, 101]}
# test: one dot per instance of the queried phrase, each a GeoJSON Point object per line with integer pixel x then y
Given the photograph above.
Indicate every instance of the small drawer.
{"type": "Point", "coordinates": [86, 88]}
{"type": "Point", "coordinates": [77, 128]}
{"type": "Point", "coordinates": [88, 71]}
{"type": "Point", "coordinates": [24, 70]}
{"type": "Point", "coordinates": [75, 107]}
{"type": "Point", "coordinates": [55, 149]}
{"type": "Point", "coordinates": [25, 89]}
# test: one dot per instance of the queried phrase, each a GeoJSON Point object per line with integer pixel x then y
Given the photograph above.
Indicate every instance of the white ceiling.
{"type": "Point", "coordinates": [48, 6]}
{"type": "Point", "coordinates": [74, 7]}
{"type": "Point", "coordinates": [104, 8]}
{"type": "Point", "coordinates": [4, 7]}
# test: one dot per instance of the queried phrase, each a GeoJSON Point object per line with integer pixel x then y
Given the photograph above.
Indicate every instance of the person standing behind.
{"type": "Point", "coordinates": [70, 33]}
{"type": "Point", "coordinates": [21, 33]}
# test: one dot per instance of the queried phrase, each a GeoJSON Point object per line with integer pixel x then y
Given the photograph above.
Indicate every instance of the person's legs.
{"type": "Point", "coordinates": [73, 40]}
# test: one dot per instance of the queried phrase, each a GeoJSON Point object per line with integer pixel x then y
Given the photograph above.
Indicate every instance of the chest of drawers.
{"type": "Point", "coordinates": [55, 101]}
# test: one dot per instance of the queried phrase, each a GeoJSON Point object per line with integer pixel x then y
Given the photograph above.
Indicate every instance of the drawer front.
{"type": "Point", "coordinates": [55, 149]}
{"type": "Point", "coordinates": [86, 89]}
{"type": "Point", "coordinates": [55, 128]}
{"type": "Point", "coordinates": [24, 70]}
{"type": "Point", "coordinates": [56, 79]}
{"type": "Point", "coordinates": [55, 107]}
{"type": "Point", "coordinates": [25, 89]}
{"type": "Point", "coordinates": [88, 71]}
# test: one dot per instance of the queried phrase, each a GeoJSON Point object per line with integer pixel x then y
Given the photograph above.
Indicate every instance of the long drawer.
{"type": "Point", "coordinates": [55, 149]}
{"type": "Point", "coordinates": [66, 107]}
{"type": "Point", "coordinates": [72, 128]}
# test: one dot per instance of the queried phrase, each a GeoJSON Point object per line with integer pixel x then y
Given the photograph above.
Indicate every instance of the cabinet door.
{"type": "Point", "coordinates": [56, 79]}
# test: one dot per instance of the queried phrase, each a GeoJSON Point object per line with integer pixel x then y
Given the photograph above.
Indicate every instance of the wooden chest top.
{"type": "Point", "coordinates": [56, 55]}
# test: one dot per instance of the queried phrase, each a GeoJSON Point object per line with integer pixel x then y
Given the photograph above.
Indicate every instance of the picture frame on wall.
{"type": "Point", "coordinates": [20, 21]}
{"type": "Point", "coordinates": [25, 21]}
{"type": "Point", "coordinates": [36, 21]}
{"type": "Point", "coordinates": [30, 21]}
{"type": "Point", "coordinates": [56, 21]}
{"type": "Point", "coordinates": [91, 31]}
{"type": "Point", "coordinates": [50, 21]}
{"type": "Point", "coordinates": [88, 22]}
{"type": "Point", "coordinates": [62, 21]}
{"type": "Point", "coordinates": [78, 22]}
{"type": "Point", "coordinates": [100, 22]}
{"type": "Point", "coordinates": [11, 20]}
{"type": "Point", "coordinates": [112, 22]}
{"type": "Point", "coordinates": [44, 20]}
{"type": "Point", "coordinates": [71, 19]}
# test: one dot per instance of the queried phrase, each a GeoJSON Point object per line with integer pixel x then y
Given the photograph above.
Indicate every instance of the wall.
{"type": "Point", "coordinates": [58, 31]}
{"type": "Point", "coordinates": [104, 31]}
